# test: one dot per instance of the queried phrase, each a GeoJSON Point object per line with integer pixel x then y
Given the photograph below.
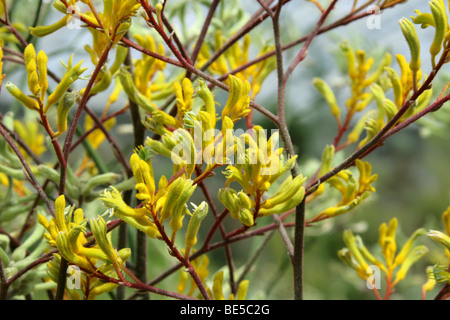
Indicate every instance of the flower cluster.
{"type": "Point", "coordinates": [395, 265]}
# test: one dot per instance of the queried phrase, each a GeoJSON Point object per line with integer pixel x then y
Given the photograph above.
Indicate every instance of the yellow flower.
{"type": "Point", "coordinates": [236, 56]}
{"type": "Point", "coordinates": [353, 192]}
{"type": "Point", "coordinates": [395, 266]}
{"type": "Point", "coordinates": [238, 103]}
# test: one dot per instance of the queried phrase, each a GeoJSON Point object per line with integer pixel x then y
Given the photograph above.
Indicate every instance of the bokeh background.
{"type": "Point", "coordinates": [413, 175]}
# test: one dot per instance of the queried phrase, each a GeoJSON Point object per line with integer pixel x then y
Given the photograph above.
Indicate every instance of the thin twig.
{"type": "Point", "coordinates": [204, 30]}
{"type": "Point", "coordinates": [3, 282]}
{"type": "Point", "coordinates": [251, 261]}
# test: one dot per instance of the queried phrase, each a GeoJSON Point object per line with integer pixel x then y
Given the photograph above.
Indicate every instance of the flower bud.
{"type": "Point", "coordinates": [165, 119]}
{"type": "Point", "coordinates": [42, 31]}
{"type": "Point", "coordinates": [179, 207]}
{"type": "Point", "coordinates": [227, 197]}
{"type": "Point", "coordinates": [406, 249]}
{"type": "Point", "coordinates": [42, 60]}
{"type": "Point", "coordinates": [183, 93]}
{"type": "Point", "coordinates": [246, 217]}
{"type": "Point", "coordinates": [329, 96]}
{"type": "Point", "coordinates": [440, 237]}
{"type": "Point", "coordinates": [350, 241]}
{"type": "Point", "coordinates": [446, 220]}
{"type": "Point", "coordinates": [67, 252]}
{"type": "Point", "coordinates": [327, 159]}
{"type": "Point", "coordinates": [19, 95]}
{"type": "Point", "coordinates": [287, 191]}
{"type": "Point", "coordinates": [72, 74]}
{"type": "Point", "coordinates": [238, 99]}
{"type": "Point", "coordinates": [133, 93]}
{"type": "Point", "coordinates": [98, 180]}
{"type": "Point", "coordinates": [174, 191]}
{"type": "Point", "coordinates": [285, 205]}
{"type": "Point", "coordinates": [103, 238]}
{"type": "Point", "coordinates": [441, 25]}
{"type": "Point", "coordinates": [218, 286]}
{"type": "Point", "coordinates": [210, 105]}
{"type": "Point", "coordinates": [415, 255]}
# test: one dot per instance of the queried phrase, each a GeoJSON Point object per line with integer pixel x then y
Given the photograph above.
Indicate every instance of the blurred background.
{"type": "Point", "coordinates": [413, 176]}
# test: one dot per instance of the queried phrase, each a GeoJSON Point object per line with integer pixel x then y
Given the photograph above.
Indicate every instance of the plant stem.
{"type": "Point", "coordinates": [283, 77]}
{"type": "Point", "coordinates": [61, 279]}
{"type": "Point", "coordinates": [299, 236]}
{"type": "Point", "coordinates": [139, 136]}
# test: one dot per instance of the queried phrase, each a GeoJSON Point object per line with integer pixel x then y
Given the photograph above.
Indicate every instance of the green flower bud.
{"type": "Point", "coordinates": [424, 19]}
{"type": "Point", "coordinates": [415, 255]}
{"type": "Point", "coordinates": [22, 97]}
{"type": "Point", "coordinates": [228, 197]}
{"type": "Point", "coordinates": [67, 252]}
{"type": "Point", "coordinates": [67, 102]}
{"type": "Point", "coordinates": [174, 192]}
{"type": "Point", "coordinates": [286, 205]}
{"type": "Point", "coordinates": [327, 159]}
{"type": "Point", "coordinates": [285, 194]}
{"type": "Point", "coordinates": [98, 180]}
{"type": "Point", "coordinates": [179, 207]}
{"type": "Point", "coordinates": [103, 238]}
{"type": "Point", "coordinates": [351, 59]}
{"type": "Point", "coordinates": [100, 289]}
{"type": "Point", "coordinates": [21, 251]}
{"type": "Point", "coordinates": [401, 256]}
{"type": "Point", "coordinates": [218, 286]}
{"type": "Point", "coordinates": [13, 173]}
{"type": "Point", "coordinates": [350, 241]}
{"type": "Point", "coordinates": [133, 93]}
{"type": "Point", "coordinates": [124, 254]}
{"type": "Point", "coordinates": [72, 74]}
{"type": "Point", "coordinates": [440, 237]}
{"type": "Point", "coordinates": [42, 31]}
{"type": "Point", "coordinates": [246, 217]}
{"type": "Point", "coordinates": [244, 200]}
{"type": "Point", "coordinates": [329, 96]}
{"type": "Point", "coordinates": [208, 98]}
{"type": "Point", "coordinates": [355, 134]}
{"type": "Point", "coordinates": [440, 274]}
{"type": "Point", "coordinates": [104, 80]}
{"type": "Point", "coordinates": [441, 24]}
{"type": "Point", "coordinates": [410, 34]}
{"type": "Point", "coordinates": [396, 86]}
{"type": "Point", "coordinates": [346, 256]}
